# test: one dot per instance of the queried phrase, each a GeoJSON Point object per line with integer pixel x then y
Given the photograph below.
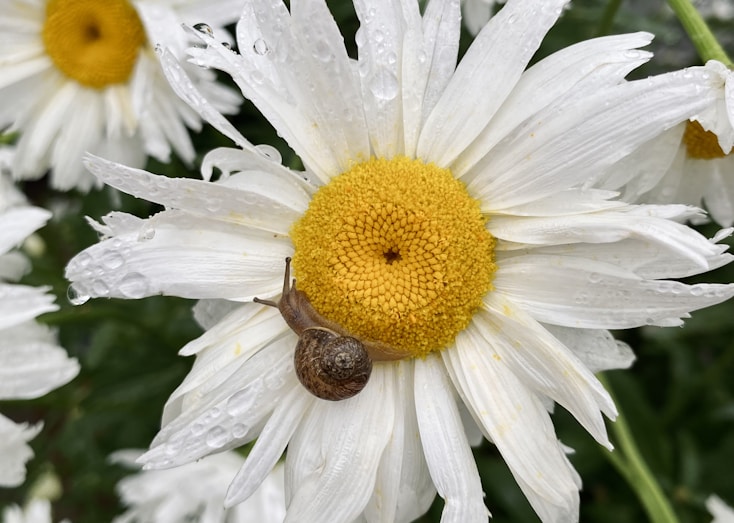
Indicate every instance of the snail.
{"type": "Point", "coordinates": [330, 363]}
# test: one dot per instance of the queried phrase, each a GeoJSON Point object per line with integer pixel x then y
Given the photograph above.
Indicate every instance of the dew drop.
{"type": "Point", "coordinates": [240, 402]}
{"type": "Point", "coordinates": [100, 288]}
{"type": "Point", "coordinates": [261, 47]}
{"type": "Point", "coordinates": [75, 296]}
{"type": "Point", "coordinates": [197, 429]}
{"type": "Point", "coordinates": [216, 437]}
{"type": "Point", "coordinates": [240, 430]}
{"type": "Point", "coordinates": [384, 85]}
{"type": "Point", "coordinates": [204, 29]}
{"type": "Point", "coordinates": [112, 260]}
{"type": "Point", "coordinates": [83, 259]}
{"type": "Point", "coordinates": [227, 45]}
{"type": "Point", "coordinates": [146, 233]}
{"type": "Point", "coordinates": [322, 51]}
{"type": "Point", "coordinates": [134, 285]}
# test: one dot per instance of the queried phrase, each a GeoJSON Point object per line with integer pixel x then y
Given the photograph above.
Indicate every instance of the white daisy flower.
{"type": "Point", "coordinates": [438, 222]}
{"type": "Point", "coordinates": [31, 362]}
{"type": "Point", "coordinates": [81, 75]}
{"type": "Point", "coordinates": [195, 492]}
{"type": "Point", "coordinates": [721, 512]}
{"type": "Point", "coordinates": [692, 163]}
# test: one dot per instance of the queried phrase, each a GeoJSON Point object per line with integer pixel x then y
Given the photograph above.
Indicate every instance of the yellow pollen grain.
{"type": "Point", "coordinates": [95, 43]}
{"type": "Point", "coordinates": [701, 144]}
{"type": "Point", "coordinates": [395, 251]}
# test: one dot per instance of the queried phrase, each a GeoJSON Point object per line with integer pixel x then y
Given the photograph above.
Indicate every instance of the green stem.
{"type": "Point", "coordinates": [699, 32]}
{"type": "Point", "coordinates": [607, 18]}
{"type": "Point", "coordinates": [633, 468]}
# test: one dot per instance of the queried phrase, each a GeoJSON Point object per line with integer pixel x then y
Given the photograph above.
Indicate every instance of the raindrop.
{"type": "Point", "coordinates": [134, 285]}
{"type": "Point", "coordinates": [197, 429]}
{"type": "Point", "coordinates": [240, 430]}
{"type": "Point", "coordinates": [594, 277]}
{"type": "Point", "coordinates": [216, 437]}
{"type": "Point", "coordinates": [240, 402]}
{"type": "Point", "coordinates": [100, 288]}
{"type": "Point", "coordinates": [75, 296]}
{"type": "Point", "coordinates": [384, 85]}
{"type": "Point", "coordinates": [83, 259]}
{"type": "Point", "coordinates": [227, 45]}
{"type": "Point", "coordinates": [322, 51]}
{"type": "Point", "coordinates": [112, 260]}
{"type": "Point", "coordinates": [261, 47]}
{"type": "Point", "coordinates": [269, 152]}
{"type": "Point", "coordinates": [146, 233]}
{"type": "Point", "coordinates": [204, 29]}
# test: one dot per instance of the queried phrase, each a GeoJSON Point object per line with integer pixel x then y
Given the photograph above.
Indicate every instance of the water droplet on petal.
{"type": "Point", "coordinates": [384, 85]}
{"type": "Point", "coordinates": [75, 296]}
{"type": "Point", "coordinates": [146, 233]}
{"type": "Point", "coordinates": [112, 260]}
{"type": "Point", "coordinates": [197, 429]}
{"type": "Point", "coordinates": [322, 51]}
{"type": "Point", "coordinates": [100, 288]}
{"type": "Point", "coordinates": [204, 28]}
{"type": "Point", "coordinates": [261, 47]}
{"type": "Point", "coordinates": [134, 285]}
{"type": "Point", "coordinates": [240, 430]}
{"type": "Point", "coordinates": [216, 437]}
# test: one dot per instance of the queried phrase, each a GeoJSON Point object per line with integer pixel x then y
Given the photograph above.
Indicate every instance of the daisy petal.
{"type": "Point", "coordinates": [446, 448]}
{"type": "Point", "coordinates": [516, 421]}
{"type": "Point", "coordinates": [604, 296]}
{"type": "Point", "coordinates": [270, 445]}
{"type": "Point", "coordinates": [353, 437]}
{"type": "Point", "coordinates": [596, 348]}
{"type": "Point", "coordinates": [491, 66]}
{"type": "Point", "coordinates": [558, 148]}
{"type": "Point", "coordinates": [19, 303]}
{"type": "Point", "coordinates": [544, 364]}
{"type": "Point", "coordinates": [284, 199]}
{"type": "Point", "coordinates": [18, 223]}
{"type": "Point", "coordinates": [592, 63]}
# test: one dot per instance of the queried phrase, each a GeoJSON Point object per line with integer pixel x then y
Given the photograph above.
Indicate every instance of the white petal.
{"type": "Point", "coordinates": [572, 142]}
{"type": "Point", "coordinates": [334, 481]}
{"type": "Point", "coordinates": [544, 364]}
{"type": "Point", "coordinates": [229, 415]}
{"type": "Point", "coordinates": [445, 445]}
{"type": "Point", "coordinates": [18, 223]}
{"type": "Point", "coordinates": [182, 255]}
{"type": "Point", "coordinates": [517, 423]}
{"type": "Point", "coordinates": [652, 224]}
{"type": "Point", "coordinates": [185, 88]}
{"type": "Point", "coordinates": [269, 445]}
{"type": "Point", "coordinates": [31, 364]}
{"type": "Point", "coordinates": [266, 200]}
{"type": "Point", "coordinates": [586, 293]}
{"type": "Point", "coordinates": [574, 71]}
{"type": "Point", "coordinates": [491, 66]}
{"type": "Point", "coordinates": [14, 451]}
{"type": "Point", "coordinates": [19, 303]}
{"type": "Point", "coordinates": [403, 488]}
{"type": "Point", "coordinates": [596, 348]}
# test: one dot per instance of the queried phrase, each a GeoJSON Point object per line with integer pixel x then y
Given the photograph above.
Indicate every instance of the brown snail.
{"type": "Point", "coordinates": [330, 363]}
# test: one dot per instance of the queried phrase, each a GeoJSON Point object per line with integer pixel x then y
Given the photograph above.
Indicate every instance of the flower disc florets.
{"type": "Point", "coordinates": [395, 251]}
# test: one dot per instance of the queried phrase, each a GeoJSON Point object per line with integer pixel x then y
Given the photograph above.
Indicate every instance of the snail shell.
{"type": "Point", "coordinates": [330, 366]}
{"type": "Point", "coordinates": [330, 363]}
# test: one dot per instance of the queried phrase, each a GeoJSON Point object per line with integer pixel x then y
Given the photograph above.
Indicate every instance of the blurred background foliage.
{"type": "Point", "coordinates": [678, 398]}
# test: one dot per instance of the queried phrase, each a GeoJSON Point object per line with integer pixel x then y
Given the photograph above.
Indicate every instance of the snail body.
{"type": "Point", "coordinates": [330, 363]}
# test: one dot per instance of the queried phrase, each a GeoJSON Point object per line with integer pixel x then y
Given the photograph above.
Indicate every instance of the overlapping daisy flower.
{"type": "Point", "coordinates": [31, 362]}
{"type": "Point", "coordinates": [195, 492]}
{"type": "Point", "coordinates": [692, 163]}
{"type": "Point", "coordinates": [82, 75]}
{"type": "Point", "coordinates": [445, 224]}
{"type": "Point", "coordinates": [718, 508]}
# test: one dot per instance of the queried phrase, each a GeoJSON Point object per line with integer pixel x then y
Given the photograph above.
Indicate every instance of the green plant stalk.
{"type": "Point", "coordinates": [699, 32]}
{"type": "Point", "coordinates": [635, 471]}
{"type": "Point", "coordinates": [607, 17]}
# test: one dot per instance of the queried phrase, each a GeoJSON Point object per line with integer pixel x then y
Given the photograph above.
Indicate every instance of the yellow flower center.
{"type": "Point", "coordinates": [93, 42]}
{"type": "Point", "coordinates": [395, 251]}
{"type": "Point", "coordinates": [701, 144]}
